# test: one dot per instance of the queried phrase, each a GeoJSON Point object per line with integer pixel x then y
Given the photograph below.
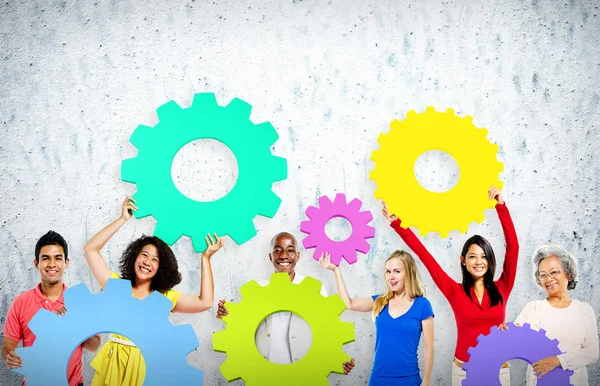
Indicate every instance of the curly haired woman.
{"type": "Point", "coordinates": [150, 265]}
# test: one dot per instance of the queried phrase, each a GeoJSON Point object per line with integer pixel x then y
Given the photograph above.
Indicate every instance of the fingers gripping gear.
{"type": "Point", "coordinates": [523, 343]}
{"type": "Point", "coordinates": [329, 334]}
{"type": "Point", "coordinates": [418, 207]}
{"type": "Point", "coordinates": [145, 322]}
{"type": "Point", "coordinates": [175, 213]}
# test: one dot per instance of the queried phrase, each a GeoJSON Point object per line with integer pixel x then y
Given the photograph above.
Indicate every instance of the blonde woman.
{"type": "Point", "coordinates": [400, 315]}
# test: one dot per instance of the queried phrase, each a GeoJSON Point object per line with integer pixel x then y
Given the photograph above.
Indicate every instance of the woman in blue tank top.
{"type": "Point", "coordinates": [400, 315]}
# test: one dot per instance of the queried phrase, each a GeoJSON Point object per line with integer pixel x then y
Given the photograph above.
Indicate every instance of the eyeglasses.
{"type": "Point", "coordinates": [553, 274]}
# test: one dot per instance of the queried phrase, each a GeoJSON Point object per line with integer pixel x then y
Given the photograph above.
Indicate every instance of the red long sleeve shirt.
{"type": "Point", "coordinates": [472, 318]}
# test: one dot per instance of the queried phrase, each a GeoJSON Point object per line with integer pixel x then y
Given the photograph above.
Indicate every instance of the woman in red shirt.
{"type": "Point", "coordinates": [479, 302]}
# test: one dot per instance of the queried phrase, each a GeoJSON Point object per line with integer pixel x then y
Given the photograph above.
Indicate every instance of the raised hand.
{"type": "Point", "coordinates": [213, 245]}
{"type": "Point", "coordinates": [128, 208]}
{"type": "Point", "coordinates": [496, 194]}
{"type": "Point", "coordinates": [390, 217]}
{"type": "Point", "coordinates": [325, 262]}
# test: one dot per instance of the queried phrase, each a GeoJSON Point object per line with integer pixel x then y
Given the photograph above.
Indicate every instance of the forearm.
{"type": "Point", "coordinates": [96, 243]}
{"type": "Point", "coordinates": [207, 286]}
{"type": "Point", "coordinates": [341, 288]}
{"type": "Point", "coordinates": [428, 365]}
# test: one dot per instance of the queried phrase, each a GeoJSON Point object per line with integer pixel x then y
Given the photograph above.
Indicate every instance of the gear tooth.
{"type": "Point", "coordinates": [166, 233]}
{"type": "Point", "coordinates": [340, 199]}
{"type": "Point", "coordinates": [142, 204]}
{"type": "Point", "coordinates": [542, 331]}
{"type": "Point", "coordinates": [381, 138]}
{"type": "Point", "coordinates": [411, 114]}
{"type": "Point", "coordinates": [248, 289]}
{"type": "Point", "coordinates": [204, 100]}
{"type": "Point", "coordinates": [480, 217]}
{"type": "Point", "coordinates": [443, 233]}
{"type": "Point", "coordinates": [278, 169]}
{"type": "Point", "coordinates": [369, 233]}
{"type": "Point", "coordinates": [374, 155]}
{"type": "Point", "coordinates": [373, 175]}
{"type": "Point", "coordinates": [450, 111]}
{"type": "Point", "coordinates": [377, 194]}
{"type": "Point", "coordinates": [483, 131]}
{"type": "Point", "coordinates": [365, 216]}
{"type": "Point", "coordinates": [430, 109]}
{"type": "Point", "coordinates": [41, 320]}
{"type": "Point", "coordinates": [346, 332]}
{"type": "Point", "coordinates": [168, 109]}
{"type": "Point", "coordinates": [268, 204]}
{"type": "Point", "coordinates": [140, 136]}
{"type": "Point", "coordinates": [306, 227]}
{"type": "Point", "coordinates": [324, 202]}
{"type": "Point", "coordinates": [555, 342]}
{"type": "Point", "coordinates": [220, 340]}
{"type": "Point", "coordinates": [185, 338]}
{"type": "Point", "coordinates": [280, 279]}
{"type": "Point", "coordinates": [463, 229]}
{"type": "Point", "coordinates": [130, 170]}
{"type": "Point", "coordinates": [355, 205]}
{"type": "Point", "coordinates": [311, 284]}
{"type": "Point", "coordinates": [230, 370]}
{"type": "Point", "coordinates": [240, 108]}
{"type": "Point", "coordinates": [468, 119]}
{"type": "Point", "coordinates": [526, 325]}
{"type": "Point", "coordinates": [312, 212]}
{"type": "Point", "coordinates": [243, 232]}
{"type": "Point", "coordinates": [199, 242]}
{"type": "Point", "coordinates": [267, 133]}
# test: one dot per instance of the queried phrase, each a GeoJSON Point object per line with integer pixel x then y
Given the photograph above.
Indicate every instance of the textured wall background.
{"type": "Point", "coordinates": [78, 78]}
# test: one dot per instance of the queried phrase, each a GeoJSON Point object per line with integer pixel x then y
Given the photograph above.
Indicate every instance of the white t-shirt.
{"type": "Point", "coordinates": [279, 323]}
{"type": "Point", "coordinates": [576, 330]}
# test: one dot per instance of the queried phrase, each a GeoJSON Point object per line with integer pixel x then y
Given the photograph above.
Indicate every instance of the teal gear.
{"type": "Point", "coordinates": [177, 215]}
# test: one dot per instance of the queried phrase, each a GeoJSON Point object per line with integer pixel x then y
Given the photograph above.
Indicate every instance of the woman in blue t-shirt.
{"type": "Point", "coordinates": [400, 315]}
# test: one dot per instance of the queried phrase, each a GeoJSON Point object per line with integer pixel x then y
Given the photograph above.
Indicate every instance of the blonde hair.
{"type": "Point", "coordinates": [412, 282]}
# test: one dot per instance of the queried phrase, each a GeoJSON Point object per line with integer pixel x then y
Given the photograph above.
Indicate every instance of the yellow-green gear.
{"type": "Point", "coordinates": [329, 333]}
{"type": "Point", "coordinates": [418, 207]}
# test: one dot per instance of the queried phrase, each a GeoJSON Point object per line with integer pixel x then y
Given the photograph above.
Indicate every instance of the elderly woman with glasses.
{"type": "Point", "coordinates": [570, 321]}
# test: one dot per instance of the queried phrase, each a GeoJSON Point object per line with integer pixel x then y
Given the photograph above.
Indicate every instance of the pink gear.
{"type": "Point", "coordinates": [315, 227]}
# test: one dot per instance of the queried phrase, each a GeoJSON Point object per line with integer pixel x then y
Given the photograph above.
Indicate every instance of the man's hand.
{"type": "Point", "coordinates": [348, 366]}
{"type": "Point", "coordinates": [221, 310]}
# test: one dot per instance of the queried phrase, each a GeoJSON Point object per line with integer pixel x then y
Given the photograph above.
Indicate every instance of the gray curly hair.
{"type": "Point", "coordinates": [567, 260]}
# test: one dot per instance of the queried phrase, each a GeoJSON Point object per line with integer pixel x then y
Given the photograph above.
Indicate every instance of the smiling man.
{"type": "Point", "coordinates": [51, 260]}
{"type": "Point", "coordinates": [283, 337]}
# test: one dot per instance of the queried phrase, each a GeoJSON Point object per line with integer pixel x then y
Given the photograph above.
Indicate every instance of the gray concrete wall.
{"type": "Point", "coordinates": [77, 78]}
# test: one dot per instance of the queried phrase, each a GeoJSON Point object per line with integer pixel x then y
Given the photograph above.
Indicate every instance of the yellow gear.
{"type": "Point", "coordinates": [329, 333]}
{"type": "Point", "coordinates": [418, 207]}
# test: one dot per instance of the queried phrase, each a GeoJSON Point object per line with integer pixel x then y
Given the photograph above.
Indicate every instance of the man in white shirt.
{"type": "Point", "coordinates": [284, 337]}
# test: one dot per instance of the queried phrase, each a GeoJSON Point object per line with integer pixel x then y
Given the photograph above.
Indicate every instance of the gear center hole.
{"type": "Point", "coordinates": [338, 229]}
{"type": "Point", "coordinates": [204, 170]}
{"type": "Point", "coordinates": [437, 171]}
{"type": "Point", "coordinates": [275, 341]}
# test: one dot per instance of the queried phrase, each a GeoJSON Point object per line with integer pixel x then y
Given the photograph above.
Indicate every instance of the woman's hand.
{"type": "Point", "coordinates": [390, 217]}
{"type": "Point", "coordinates": [213, 245]}
{"type": "Point", "coordinates": [543, 367]}
{"type": "Point", "coordinates": [504, 326]}
{"type": "Point", "coordinates": [128, 208]}
{"type": "Point", "coordinates": [325, 262]}
{"type": "Point", "coordinates": [496, 194]}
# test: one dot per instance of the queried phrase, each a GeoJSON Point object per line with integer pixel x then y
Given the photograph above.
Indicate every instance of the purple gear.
{"type": "Point", "coordinates": [327, 210]}
{"type": "Point", "coordinates": [523, 343]}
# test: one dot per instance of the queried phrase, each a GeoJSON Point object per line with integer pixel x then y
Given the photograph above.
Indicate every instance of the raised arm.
{"type": "Point", "coordinates": [191, 304]}
{"type": "Point", "coordinates": [358, 304]}
{"type": "Point", "coordinates": [509, 269]}
{"type": "Point", "coordinates": [444, 282]}
{"type": "Point", "coordinates": [91, 249]}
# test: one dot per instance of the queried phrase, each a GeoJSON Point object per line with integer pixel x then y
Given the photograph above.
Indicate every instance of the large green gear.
{"type": "Point", "coordinates": [416, 206]}
{"type": "Point", "coordinates": [177, 215]}
{"type": "Point", "coordinates": [329, 333]}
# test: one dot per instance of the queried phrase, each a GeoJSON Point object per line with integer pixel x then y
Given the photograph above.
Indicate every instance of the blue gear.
{"type": "Point", "coordinates": [145, 322]}
{"type": "Point", "coordinates": [523, 343]}
{"type": "Point", "coordinates": [232, 214]}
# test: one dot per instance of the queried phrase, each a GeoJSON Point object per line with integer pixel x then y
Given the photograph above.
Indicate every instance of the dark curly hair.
{"type": "Point", "coordinates": [166, 277]}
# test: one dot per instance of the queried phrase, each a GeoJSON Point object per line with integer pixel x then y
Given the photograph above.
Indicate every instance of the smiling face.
{"type": "Point", "coordinates": [284, 254]}
{"type": "Point", "coordinates": [553, 277]}
{"type": "Point", "coordinates": [146, 263]}
{"type": "Point", "coordinates": [475, 261]}
{"type": "Point", "coordinates": [394, 275]}
{"type": "Point", "coordinates": [51, 263]}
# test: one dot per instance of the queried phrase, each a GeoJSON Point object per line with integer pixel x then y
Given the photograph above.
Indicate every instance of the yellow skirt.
{"type": "Point", "coordinates": [118, 365]}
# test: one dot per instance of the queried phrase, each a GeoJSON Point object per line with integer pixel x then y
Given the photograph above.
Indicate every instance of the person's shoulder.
{"type": "Point", "coordinates": [422, 300]}
{"type": "Point", "coordinates": [586, 307]}
{"type": "Point", "coordinates": [24, 296]}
